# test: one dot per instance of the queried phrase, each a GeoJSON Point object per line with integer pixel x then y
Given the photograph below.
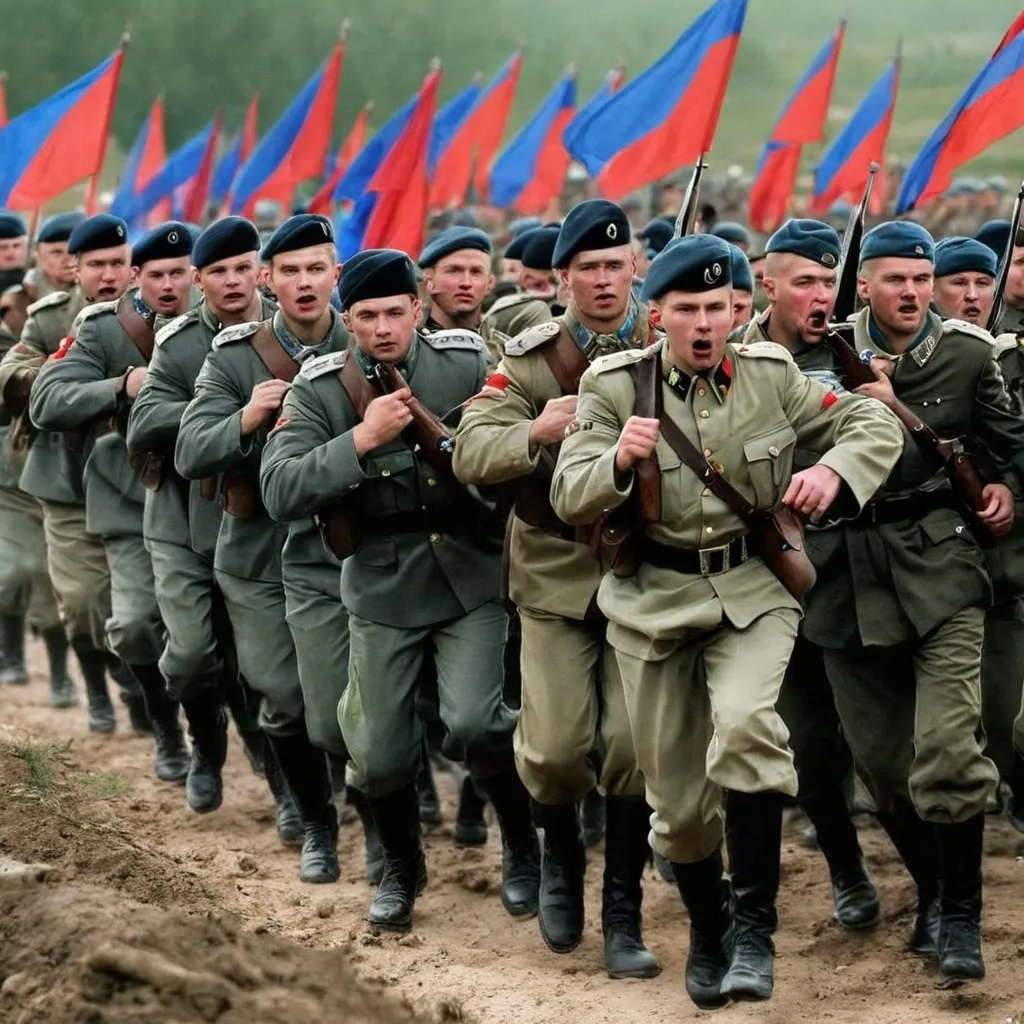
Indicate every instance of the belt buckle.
{"type": "Point", "coordinates": [710, 565]}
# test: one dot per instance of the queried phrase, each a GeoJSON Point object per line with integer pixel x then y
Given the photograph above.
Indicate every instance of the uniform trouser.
{"type": "Point", "coordinates": [703, 719]}
{"type": "Point", "coordinates": [573, 715]}
{"type": "Point", "coordinates": [266, 652]}
{"type": "Point", "coordinates": [820, 752]}
{"type": "Point", "coordinates": [79, 573]}
{"type": "Point", "coordinates": [319, 625]}
{"type": "Point", "coordinates": [912, 716]}
{"type": "Point", "coordinates": [24, 583]}
{"type": "Point", "coordinates": [378, 715]}
{"type": "Point", "coordinates": [135, 631]}
{"type": "Point", "coordinates": [186, 593]}
{"type": "Point", "coordinates": [1002, 679]}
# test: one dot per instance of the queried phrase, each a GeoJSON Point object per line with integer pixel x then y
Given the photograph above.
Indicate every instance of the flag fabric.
{"type": "Point", "coordinates": [613, 81]}
{"type": "Point", "coordinates": [531, 171]}
{"type": "Point", "coordinates": [477, 139]}
{"type": "Point", "coordinates": [844, 168]}
{"type": "Point", "coordinates": [60, 141]}
{"type": "Point", "coordinates": [350, 148]}
{"type": "Point", "coordinates": [449, 120]}
{"type": "Point", "coordinates": [182, 166]}
{"type": "Point", "coordinates": [990, 108]}
{"type": "Point", "coordinates": [666, 117]}
{"type": "Point", "coordinates": [197, 195]}
{"type": "Point", "coordinates": [295, 148]}
{"type": "Point", "coordinates": [147, 155]}
{"type": "Point", "coordinates": [802, 120]}
{"type": "Point", "coordinates": [238, 152]}
{"type": "Point", "coordinates": [354, 181]}
{"type": "Point", "coordinates": [3, 98]}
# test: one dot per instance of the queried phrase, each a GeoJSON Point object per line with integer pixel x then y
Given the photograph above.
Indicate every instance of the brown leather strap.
{"type": "Point", "coordinates": [565, 361]}
{"type": "Point", "coordinates": [647, 377]}
{"type": "Point", "coordinates": [265, 344]}
{"type": "Point", "coordinates": [359, 390]}
{"type": "Point", "coordinates": [136, 326]}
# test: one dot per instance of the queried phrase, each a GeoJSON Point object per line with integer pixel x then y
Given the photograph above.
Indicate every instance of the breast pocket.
{"type": "Point", "coordinates": [680, 488]}
{"type": "Point", "coordinates": [391, 484]}
{"type": "Point", "coordinates": [769, 458]}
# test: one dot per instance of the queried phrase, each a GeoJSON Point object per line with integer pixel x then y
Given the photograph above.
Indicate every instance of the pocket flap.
{"type": "Point", "coordinates": [389, 464]}
{"type": "Point", "coordinates": [939, 527]}
{"type": "Point", "coordinates": [770, 443]}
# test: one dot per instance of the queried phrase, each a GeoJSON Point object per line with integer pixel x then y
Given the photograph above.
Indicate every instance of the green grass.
{"type": "Point", "coordinates": [104, 785]}
{"type": "Point", "coordinates": [42, 763]}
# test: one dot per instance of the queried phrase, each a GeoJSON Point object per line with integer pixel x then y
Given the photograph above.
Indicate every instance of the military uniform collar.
{"type": "Point", "coordinates": [207, 317]}
{"type": "Point", "coordinates": [295, 348]}
{"type": "Point", "coordinates": [143, 309]}
{"type": "Point", "coordinates": [920, 350]}
{"type": "Point", "coordinates": [406, 367]}
{"type": "Point", "coordinates": [718, 381]}
{"type": "Point", "coordinates": [592, 344]}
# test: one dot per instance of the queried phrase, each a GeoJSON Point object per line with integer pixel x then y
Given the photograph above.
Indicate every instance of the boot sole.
{"type": "Point", "coordinates": [644, 973]}
{"type": "Point", "coordinates": [522, 911]}
{"type": "Point", "coordinates": [956, 981]}
{"type": "Point", "coordinates": [557, 947]}
{"type": "Point", "coordinates": [395, 927]}
{"type": "Point", "coordinates": [204, 808]}
{"type": "Point", "coordinates": [861, 926]}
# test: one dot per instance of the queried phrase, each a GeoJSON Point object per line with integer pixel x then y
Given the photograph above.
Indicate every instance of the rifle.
{"type": "Point", "coordinates": [998, 301]}
{"type": "Point", "coordinates": [845, 301]}
{"type": "Point", "coordinates": [687, 219]}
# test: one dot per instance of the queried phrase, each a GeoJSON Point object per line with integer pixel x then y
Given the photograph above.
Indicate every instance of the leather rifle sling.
{"type": "Point", "coordinates": [136, 326]}
{"type": "Point", "coordinates": [566, 362]}
{"type": "Point", "coordinates": [272, 354]}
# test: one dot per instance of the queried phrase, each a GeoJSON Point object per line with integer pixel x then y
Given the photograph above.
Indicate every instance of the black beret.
{"type": "Point", "coordinates": [742, 275]}
{"type": "Point", "coordinates": [230, 236]}
{"type": "Point", "coordinates": [521, 224]}
{"type": "Point", "coordinates": [813, 239]}
{"type": "Point", "coordinates": [376, 274]}
{"type": "Point", "coordinates": [104, 231]}
{"type": "Point", "coordinates": [731, 231]}
{"type": "Point", "coordinates": [656, 235]}
{"type": "Point", "coordinates": [195, 230]}
{"type": "Point", "coordinates": [693, 263]}
{"type": "Point", "coordinates": [299, 232]}
{"type": "Point", "coordinates": [900, 238]}
{"type": "Point", "coordinates": [995, 234]}
{"type": "Point", "coordinates": [166, 242]}
{"type": "Point", "coordinates": [515, 249]}
{"type": "Point", "coordinates": [956, 254]}
{"type": "Point", "coordinates": [452, 240]}
{"type": "Point", "coordinates": [11, 225]}
{"type": "Point", "coordinates": [592, 224]}
{"type": "Point", "coordinates": [59, 227]}
{"type": "Point", "coordinates": [540, 249]}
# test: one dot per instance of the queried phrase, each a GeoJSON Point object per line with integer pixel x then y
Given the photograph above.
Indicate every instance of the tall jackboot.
{"type": "Point", "coordinates": [172, 756]}
{"type": "Point", "coordinates": [244, 707]}
{"type": "Point", "coordinates": [960, 849]}
{"type": "Point", "coordinates": [356, 799]}
{"type": "Point", "coordinates": [1015, 780]}
{"type": "Point", "coordinates": [208, 728]}
{"type": "Point", "coordinates": [754, 834]}
{"type": "Point", "coordinates": [470, 824]}
{"type": "Point", "coordinates": [131, 695]}
{"type": "Point", "coordinates": [917, 844]}
{"type": "Point", "coordinates": [62, 689]}
{"type": "Point", "coordinates": [520, 851]}
{"type": "Point", "coordinates": [562, 870]}
{"type": "Point", "coordinates": [12, 650]}
{"type": "Point", "coordinates": [93, 664]}
{"type": "Point", "coordinates": [405, 867]}
{"type": "Point", "coordinates": [305, 771]}
{"type": "Point", "coordinates": [700, 885]}
{"type": "Point", "coordinates": [592, 818]}
{"type": "Point", "coordinates": [855, 898]}
{"type": "Point", "coordinates": [287, 819]}
{"type": "Point", "coordinates": [426, 791]}
{"type": "Point", "coordinates": [626, 851]}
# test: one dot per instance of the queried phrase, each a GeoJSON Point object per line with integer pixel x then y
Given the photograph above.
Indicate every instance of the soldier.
{"type": "Point", "coordinates": [702, 629]}
{"type": "Point", "coordinates": [457, 276]}
{"type": "Point", "coordinates": [13, 249]}
{"type": "Point", "coordinates": [421, 576]}
{"type": "Point", "coordinates": [742, 288]}
{"type": "Point", "coordinates": [237, 397]}
{"type": "Point", "coordinates": [87, 392]}
{"type": "Point", "coordinates": [573, 717]}
{"type": "Point", "coordinates": [55, 464]}
{"type": "Point", "coordinates": [995, 234]}
{"type": "Point", "coordinates": [733, 233]}
{"type": "Point", "coordinates": [965, 279]}
{"type": "Point", "coordinates": [899, 605]}
{"type": "Point", "coordinates": [52, 256]}
{"type": "Point", "coordinates": [651, 239]}
{"type": "Point", "coordinates": [181, 523]}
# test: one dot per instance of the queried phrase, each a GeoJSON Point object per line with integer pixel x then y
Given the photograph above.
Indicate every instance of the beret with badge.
{"type": "Point", "coordinates": [591, 225]}
{"type": "Point", "coordinates": [376, 274]}
{"type": "Point", "coordinates": [167, 242]}
{"type": "Point", "coordinates": [301, 231]}
{"type": "Point", "coordinates": [104, 231]}
{"type": "Point", "coordinates": [224, 238]}
{"type": "Point", "coordinates": [742, 275]}
{"type": "Point", "coordinates": [693, 263]}
{"type": "Point", "coordinates": [59, 227]}
{"type": "Point", "coordinates": [11, 225]}
{"type": "Point", "coordinates": [453, 239]}
{"type": "Point", "coordinates": [957, 255]}
{"type": "Point", "coordinates": [813, 239]}
{"type": "Point", "coordinates": [902, 239]}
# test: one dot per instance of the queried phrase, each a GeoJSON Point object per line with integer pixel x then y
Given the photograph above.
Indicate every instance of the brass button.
{"type": "Point", "coordinates": [702, 392]}
{"type": "Point", "coordinates": [718, 467]}
{"type": "Point", "coordinates": [706, 493]}
{"type": "Point", "coordinates": [434, 538]}
{"type": "Point", "coordinates": [773, 452]}
{"type": "Point", "coordinates": [710, 529]}
{"type": "Point", "coordinates": [703, 414]}
{"type": "Point", "coordinates": [431, 482]}
{"type": "Point", "coordinates": [707, 453]}
{"type": "Point", "coordinates": [385, 472]}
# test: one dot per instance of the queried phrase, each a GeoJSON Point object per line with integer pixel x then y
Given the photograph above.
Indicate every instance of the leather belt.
{"type": "Point", "coordinates": [696, 561]}
{"type": "Point", "coordinates": [912, 506]}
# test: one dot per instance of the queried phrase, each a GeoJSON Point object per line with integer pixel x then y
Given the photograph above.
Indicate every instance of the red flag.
{"type": "Point", "coordinates": [321, 202]}
{"type": "Point", "coordinates": [3, 98]}
{"type": "Point", "coordinates": [249, 128]}
{"type": "Point", "coordinates": [401, 183]}
{"type": "Point", "coordinates": [152, 159]}
{"type": "Point", "coordinates": [194, 208]}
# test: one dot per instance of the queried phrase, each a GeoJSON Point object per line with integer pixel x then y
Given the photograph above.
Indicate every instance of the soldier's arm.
{"type": "Point", "coordinates": [20, 367]}
{"type": "Point", "coordinates": [158, 407]}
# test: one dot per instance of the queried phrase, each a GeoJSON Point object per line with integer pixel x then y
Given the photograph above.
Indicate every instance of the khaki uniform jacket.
{"type": "Point", "coordinates": [511, 315]}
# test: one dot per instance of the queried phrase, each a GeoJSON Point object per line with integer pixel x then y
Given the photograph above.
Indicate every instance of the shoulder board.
{"type": "Point", "coordinates": [96, 309]}
{"type": "Point", "coordinates": [963, 327]}
{"type": "Point", "coordinates": [510, 301]}
{"type": "Point", "coordinates": [53, 299]}
{"type": "Point", "coordinates": [455, 339]}
{"type": "Point", "coordinates": [764, 350]}
{"type": "Point", "coordinates": [620, 360]}
{"type": "Point", "coordinates": [318, 366]}
{"type": "Point", "coordinates": [174, 326]}
{"type": "Point", "coordinates": [236, 333]}
{"type": "Point", "coordinates": [1005, 343]}
{"type": "Point", "coordinates": [532, 337]}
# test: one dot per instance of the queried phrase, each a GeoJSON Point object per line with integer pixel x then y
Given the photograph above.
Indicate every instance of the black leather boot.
{"type": "Point", "coordinates": [426, 791]}
{"type": "Point", "coordinates": [592, 818]}
{"type": "Point", "coordinates": [470, 825]}
{"type": "Point", "coordinates": [700, 885]}
{"type": "Point", "coordinates": [374, 851]}
{"type": "Point", "coordinates": [520, 851]}
{"type": "Point", "coordinates": [562, 870]}
{"type": "Point", "coordinates": [304, 769]}
{"type": "Point", "coordinates": [287, 819]}
{"type": "Point", "coordinates": [960, 849]}
{"type": "Point", "coordinates": [208, 727]}
{"type": "Point", "coordinates": [244, 707]}
{"type": "Point", "coordinates": [917, 844]}
{"type": "Point", "coordinates": [172, 755]}
{"type": "Point", "coordinates": [93, 664]}
{"type": "Point", "coordinates": [405, 868]}
{"type": "Point", "coordinates": [131, 695]}
{"type": "Point", "coordinates": [754, 835]}
{"type": "Point", "coordinates": [626, 851]}
{"type": "Point", "coordinates": [62, 689]}
{"type": "Point", "coordinates": [854, 897]}
{"type": "Point", "coordinates": [12, 650]}
{"type": "Point", "coordinates": [1015, 780]}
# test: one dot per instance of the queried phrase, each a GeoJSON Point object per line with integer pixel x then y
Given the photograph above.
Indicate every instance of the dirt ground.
{"type": "Point", "coordinates": [154, 914]}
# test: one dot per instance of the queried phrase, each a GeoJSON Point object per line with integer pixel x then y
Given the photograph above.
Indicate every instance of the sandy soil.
{"type": "Point", "coordinates": [155, 914]}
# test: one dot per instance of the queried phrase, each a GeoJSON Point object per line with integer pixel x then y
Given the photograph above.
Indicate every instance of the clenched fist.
{"type": "Point", "coordinates": [636, 442]}
{"type": "Point", "coordinates": [266, 399]}
{"type": "Point", "coordinates": [386, 417]}
{"type": "Point", "coordinates": [549, 426]}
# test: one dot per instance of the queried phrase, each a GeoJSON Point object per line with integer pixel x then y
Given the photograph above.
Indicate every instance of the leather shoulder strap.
{"type": "Point", "coordinates": [272, 354]}
{"type": "Point", "coordinates": [647, 377]}
{"type": "Point", "coordinates": [135, 326]}
{"type": "Point", "coordinates": [359, 390]}
{"type": "Point", "coordinates": [565, 361]}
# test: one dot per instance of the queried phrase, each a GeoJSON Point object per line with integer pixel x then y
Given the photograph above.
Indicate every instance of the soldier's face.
{"type": "Point", "coordinates": [104, 274]}
{"type": "Point", "coordinates": [1014, 292]}
{"type": "Point", "coordinates": [230, 284]}
{"type": "Point", "coordinates": [538, 282]}
{"type": "Point", "coordinates": [898, 291]}
{"type": "Point", "coordinates": [458, 283]}
{"type": "Point", "coordinates": [383, 328]}
{"type": "Point", "coordinates": [165, 285]}
{"type": "Point", "coordinates": [53, 260]}
{"type": "Point", "coordinates": [511, 270]}
{"type": "Point", "coordinates": [303, 281]}
{"type": "Point", "coordinates": [800, 292]}
{"type": "Point", "coordinates": [742, 307]}
{"type": "Point", "coordinates": [966, 296]}
{"type": "Point", "coordinates": [599, 281]}
{"type": "Point", "coordinates": [13, 252]}
{"type": "Point", "coordinates": [697, 325]}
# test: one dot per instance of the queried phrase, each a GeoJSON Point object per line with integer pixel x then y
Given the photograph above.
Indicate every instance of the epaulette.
{"type": "Point", "coordinates": [319, 365]}
{"type": "Point", "coordinates": [764, 350]}
{"type": "Point", "coordinates": [96, 309]}
{"type": "Point", "coordinates": [533, 337]}
{"type": "Point", "coordinates": [620, 360]}
{"type": "Point", "coordinates": [510, 301]}
{"type": "Point", "coordinates": [175, 326]}
{"type": "Point", "coordinates": [963, 327]}
{"type": "Point", "coordinates": [468, 340]}
{"type": "Point", "coordinates": [236, 333]}
{"type": "Point", "coordinates": [1006, 343]}
{"type": "Point", "coordinates": [53, 299]}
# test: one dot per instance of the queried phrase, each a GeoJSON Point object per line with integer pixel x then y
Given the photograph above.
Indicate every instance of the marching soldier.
{"type": "Point", "coordinates": [573, 716]}
{"type": "Point", "coordinates": [457, 276]}
{"type": "Point", "coordinates": [701, 627]}
{"type": "Point", "coordinates": [742, 288]}
{"type": "Point", "coordinates": [420, 576]}
{"type": "Point", "coordinates": [965, 280]}
{"type": "Point", "coordinates": [55, 263]}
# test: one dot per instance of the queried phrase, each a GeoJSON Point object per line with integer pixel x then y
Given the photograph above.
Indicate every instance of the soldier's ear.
{"type": "Point", "coordinates": [769, 289]}
{"type": "Point", "coordinates": [862, 289]}
{"type": "Point", "coordinates": [337, 274]}
{"type": "Point", "coordinates": [417, 310]}
{"type": "Point", "coordinates": [346, 321]}
{"type": "Point", "coordinates": [563, 276]}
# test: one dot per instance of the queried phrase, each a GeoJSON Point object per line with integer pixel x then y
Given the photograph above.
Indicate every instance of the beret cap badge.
{"type": "Point", "coordinates": [828, 259]}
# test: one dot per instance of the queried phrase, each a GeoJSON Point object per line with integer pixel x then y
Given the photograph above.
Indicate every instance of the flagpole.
{"type": "Point", "coordinates": [90, 194]}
